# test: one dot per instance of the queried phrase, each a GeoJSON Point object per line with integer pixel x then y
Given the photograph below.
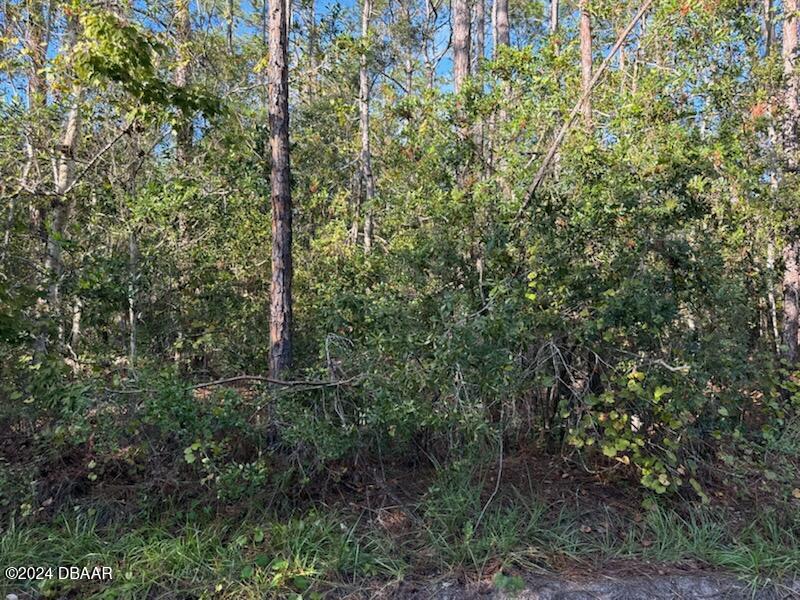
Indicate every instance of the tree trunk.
{"type": "Point", "coordinates": [363, 111]}
{"type": "Point", "coordinates": [622, 65]}
{"type": "Point", "coordinates": [553, 16]}
{"type": "Point", "coordinates": [768, 30]}
{"type": "Point", "coordinates": [771, 303]}
{"type": "Point", "coordinates": [60, 209]}
{"type": "Point", "coordinates": [480, 29]}
{"type": "Point", "coordinates": [184, 132]}
{"type": "Point", "coordinates": [184, 137]}
{"type": "Point", "coordinates": [461, 43]}
{"type": "Point", "coordinates": [313, 45]}
{"type": "Point", "coordinates": [133, 269]}
{"type": "Point", "coordinates": [502, 36]}
{"type": "Point", "coordinates": [791, 308]}
{"type": "Point", "coordinates": [791, 251]}
{"type": "Point", "coordinates": [280, 355]}
{"type": "Point", "coordinates": [35, 42]}
{"type": "Point", "coordinates": [792, 80]}
{"type": "Point", "coordinates": [586, 61]}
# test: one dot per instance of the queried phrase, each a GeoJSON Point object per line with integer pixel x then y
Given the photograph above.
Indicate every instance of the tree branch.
{"type": "Point", "coordinates": [272, 381]}
{"type": "Point", "coordinates": [551, 152]}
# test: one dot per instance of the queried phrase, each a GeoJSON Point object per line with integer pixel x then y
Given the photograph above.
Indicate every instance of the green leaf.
{"type": "Point", "coordinates": [262, 560]}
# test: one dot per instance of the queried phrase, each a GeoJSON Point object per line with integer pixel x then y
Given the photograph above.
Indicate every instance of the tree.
{"type": "Point", "coordinates": [183, 32]}
{"type": "Point", "coordinates": [586, 61]}
{"type": "Point", "coordinates": [480, 31]}
{"type": "Point", "coordinates": [280, 354]}
{"type": "Point", "coordinates": [461, 43]}
{"type": "Point", "coordinates": [367, 179]}
{"type": "Point", "coordinates": [791, 251]}
{"type": "Point", "coordinates": [501, 28]}
{"type": "Point", "coordinates": [61, 206]}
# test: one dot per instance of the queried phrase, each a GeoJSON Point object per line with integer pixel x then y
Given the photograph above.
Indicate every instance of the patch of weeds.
{"type": "Point", "coordinates": [203, 560]}
{"type": "Point", "coordinates": [465, 529]}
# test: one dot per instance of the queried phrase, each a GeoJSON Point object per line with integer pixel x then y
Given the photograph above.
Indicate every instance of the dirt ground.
{"type": "Point", "coordinates": [658, 587]}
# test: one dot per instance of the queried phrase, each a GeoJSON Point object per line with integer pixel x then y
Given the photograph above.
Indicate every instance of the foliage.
{"type": "Point", "coordinates": [625, 319]}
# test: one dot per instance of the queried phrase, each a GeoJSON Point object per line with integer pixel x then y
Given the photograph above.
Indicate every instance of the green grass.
{"type": "Point", "coordinates": [252, 560]}
{"type": "Point", "coordinates": [311, 552]}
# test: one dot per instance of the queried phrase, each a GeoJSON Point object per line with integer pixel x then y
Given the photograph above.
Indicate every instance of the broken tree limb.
{"type": "Point", "coordinates": [551, 152]}
{"type": "Point", "coordinates": [272, 381]}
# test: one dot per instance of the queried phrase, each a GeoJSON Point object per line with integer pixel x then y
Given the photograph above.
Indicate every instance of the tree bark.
{"type": "Point", "coordinates": [363, 110]}
{"type": "Point", "coordinates": [35, 42]}
{"type": "Point", "coordinates": [184, 132]}
{"type": "Point", "coordinates": [586, 62]}
{"type": "Point", "coordinates": [791, 251]}
{"type": "Point", "coordinates": [280, 355]}
{"type": "Point", "coordinates": [461, 43]}
{"type": "Point", "coordinates": [61, 207]}
{"type": "Point", "coordinates": [133, 270]}
{"type": "Point", "coordinates": [184, 138]}
{"type": "Point", "coordinates": [768, 27]}
{"type": "Point", "coordinates": [480, 29]}
{"type": "Point", "coordinates": [553, 17]}
{"type": "Point", "coordinates": [791, 307]}
{"type": "Point", "coordinates": [502, 36]}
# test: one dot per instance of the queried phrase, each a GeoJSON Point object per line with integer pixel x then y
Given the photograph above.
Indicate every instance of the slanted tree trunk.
{"type": "Point", "coordinates": [586, 61]}
{"type": "Point", "coordinates": [789, 129]}
{"type": "Point", "coordinates": [367, 179]}
{"type": "Point", "coordinates": [280, 355]}
{"type": "Point", "coordinates": [461, 43]}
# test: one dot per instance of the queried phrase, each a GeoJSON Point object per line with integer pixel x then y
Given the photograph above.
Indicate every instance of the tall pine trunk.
{"type": "Point", "coordinates": [368, 181]}
{"type": "Point", "coordinates": [461, 43]}
{"type": "Point", "coordinates": [184, 135]}
{"type": "Point", "coordinates": [553, 25]}
{"type": "Point", "coordinates": [791, 251]}
{"type": "Point", "coordinates": [280, 355]}
{"type": "Point", "coordinates": [586, 61]}
{"type": "Point", "coordinates": [502, 36]}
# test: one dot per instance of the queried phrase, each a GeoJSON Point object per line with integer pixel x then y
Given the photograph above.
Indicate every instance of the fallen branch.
{"type": "Point", "coordinates": [551, 152]}
{"type": "Point", "coordinates": [270, 380]}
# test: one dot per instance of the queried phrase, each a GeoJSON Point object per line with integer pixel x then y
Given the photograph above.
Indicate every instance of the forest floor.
{"type": "Point", "coordinates": [609, 586]}
{"type": "Point", "coordinates": [528, 523]}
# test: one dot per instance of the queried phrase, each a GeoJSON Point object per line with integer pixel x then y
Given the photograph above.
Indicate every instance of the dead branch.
{"type": "Point", "coordinates": [551, 152]}
{"type": "Point", "coordinates": [271, 381]}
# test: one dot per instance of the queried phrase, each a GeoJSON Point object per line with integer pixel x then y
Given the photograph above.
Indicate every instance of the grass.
{"type": "Point", "coordinates": [311, 552]}
{"type": "Point", "coordinates": [256, 559]}
{"type": "Point", "coordinates": [453, 529]}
